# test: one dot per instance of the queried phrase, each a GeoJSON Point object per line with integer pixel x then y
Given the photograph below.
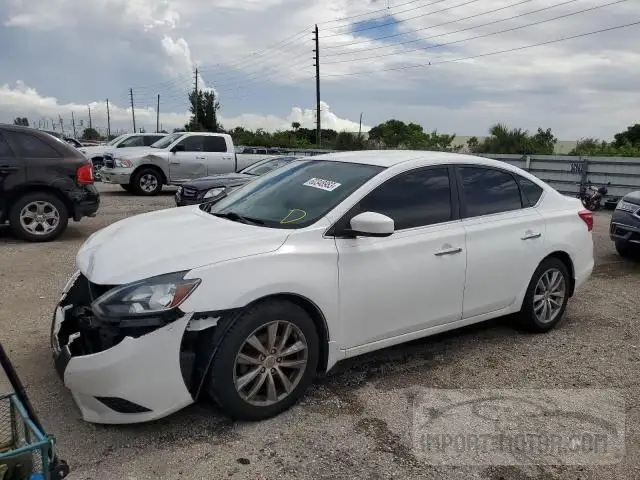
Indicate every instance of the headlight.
{"type": "Point", "coordinates": [214, 192]}
{"type": "Point", "coordinates": [627, 207]}
{"type": "Point", "coordinates": [153, 295]}
{"type": "Point", "coordinates": [122, 163]}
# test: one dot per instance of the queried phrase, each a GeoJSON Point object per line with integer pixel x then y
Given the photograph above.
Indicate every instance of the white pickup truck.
{"type": "Point", "coordinates": [177, 158]}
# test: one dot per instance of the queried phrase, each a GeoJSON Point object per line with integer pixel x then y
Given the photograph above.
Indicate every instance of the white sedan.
{"type": "Point", "coordinates": [246, 298]}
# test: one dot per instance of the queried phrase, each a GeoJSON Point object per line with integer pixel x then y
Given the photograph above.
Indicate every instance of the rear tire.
{"type": "Point", "coordinates": [546, 299]}
{"type": "Point", "coordinates": [38, 217]}
{"type": "Point", "coordinates": [147, 182]}
{"type": "Point", "coordinates": [252, 383]}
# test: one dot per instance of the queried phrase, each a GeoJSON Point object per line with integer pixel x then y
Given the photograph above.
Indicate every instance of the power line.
{"type": "Point", "coordinates": [483, 35]}
{"type": "Point", "coordinates": [366, 13]}
{"type": "Point", "coordinates": [521, 2]}
{"type": "Point", "coordinates": [394, 22]}
{"type": "Point", "coordinates": [498, 52]}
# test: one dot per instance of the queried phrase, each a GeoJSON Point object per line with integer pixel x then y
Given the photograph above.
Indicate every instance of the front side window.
{"type": "Point", "coordinates": [151, 139]}
{"type": "Point", "coordinates": [30, 146]}
{"type": "Point", "coordinates": [487, 191]}
{"type": "Point", "coordinates": [295, 195]}
{"type": "Point", "coordinates": [137, 141]}
{"type": "Point", "coordinates": [193, 143]}
{"type": "Point", "coordinates": [168, 140]}
{"type": "Point", "coordinates": [412, 199]}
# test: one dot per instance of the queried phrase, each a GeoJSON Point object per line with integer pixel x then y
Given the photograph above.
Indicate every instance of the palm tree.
{"type": "Point", "coordinates": [295, 126]}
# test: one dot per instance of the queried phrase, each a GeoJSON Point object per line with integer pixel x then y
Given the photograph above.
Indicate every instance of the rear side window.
{"type": "Point", "coordinates": [530, 191]}
{"type": "Point", "coordinates": [487, 191]}
{"type": "Point", "coordinates": [5, 149]}
{"type": "Point", "coordinates": [194, 143]}
{"type": "Point", "coordinates": [215, 144]}
{"type": "Point", "coordinates": [132, 142]}
{"type": "Point", "coordinates": [412, 199]}
{"type": "Point", "coordinates": [30, 146]}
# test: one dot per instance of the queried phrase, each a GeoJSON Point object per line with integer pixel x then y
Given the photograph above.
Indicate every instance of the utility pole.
{"type": "Point", "coordinates": [90, 123]}
{"type": "Point", "coordinates": [317, 65]}
{"type": "Point", "coordinates": [158, 115]}
{"type": "Point", "coordinates": [108, 122]}
{"type": "Point", "coordinates": [360, 127]}
{"type": "Point", "coordinates": [53, 124]}
{"type": "Point", "coordinates": [73, 124]}
{"type": "Point", "coordinates": [133, 110]}
{"type": "Point", "coordinates": [196, 100]}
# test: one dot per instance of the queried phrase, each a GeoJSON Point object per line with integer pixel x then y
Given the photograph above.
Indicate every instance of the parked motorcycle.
{"type": "Point", "coordinates": [592, 195]}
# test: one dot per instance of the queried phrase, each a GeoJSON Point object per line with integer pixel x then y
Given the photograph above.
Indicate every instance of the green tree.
{"type": "Point", "coordinates": [295, 126]}
{"type": "Point", "coordinates": [503, 139]}
{"type": "Point", "coordinates": [397, 134]}
{"type": "Point", "coordinates": [21, 121]}
{"type": "Point", "coordinates": [205, 103]}
{"type": "Point", "coordinates": [630, 137]}
{"type": "Point", "coordinates": [90, 134]}
{"type": "Point", "coordinates": [349, 141]}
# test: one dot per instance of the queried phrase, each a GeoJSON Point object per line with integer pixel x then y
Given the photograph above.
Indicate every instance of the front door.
{"type": "Point", "coordinates": [413, 279]}
{"type": "Point", "coordinates": [189, 163]}
{"type": "Point", "coordinates": [12, 171]}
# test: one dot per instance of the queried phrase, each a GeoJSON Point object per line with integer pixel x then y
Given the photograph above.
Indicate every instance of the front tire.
{"type": "Point", "coordinates": [147, 182]}
{"type": "Point", "coordinates": [38, 217]}
{"type": "Point", "coordinates": [265, 361]}
{"type": "Point", "coordinates": [546, 299]}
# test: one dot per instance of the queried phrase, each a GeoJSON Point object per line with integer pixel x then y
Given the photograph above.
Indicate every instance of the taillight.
{"type": "Point", "coordinates": [587, 217]}
{"type": "Point", "coordinates": [84, 174]}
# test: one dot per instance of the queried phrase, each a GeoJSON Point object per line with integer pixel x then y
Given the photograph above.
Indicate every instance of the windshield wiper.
{"type": "Point", "coordinates": [234, 217]}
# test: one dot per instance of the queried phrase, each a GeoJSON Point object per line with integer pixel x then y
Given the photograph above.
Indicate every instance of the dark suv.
{"type": "Point", "coordinates": [625, 225]}
{"type": "Point", "coordinates": [43, 182]}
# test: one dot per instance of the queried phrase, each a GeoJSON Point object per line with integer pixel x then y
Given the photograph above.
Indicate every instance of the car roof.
{"type": "Point", "coordinates": [389, 158]}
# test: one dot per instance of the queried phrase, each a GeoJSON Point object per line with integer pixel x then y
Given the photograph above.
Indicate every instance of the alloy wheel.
{"type": "Point", "coordinates": [148, 182]}
{"type": "Point", "coordinates": [270, 363]}
{"type": "Point", "coordinates": [549, 295]}
{"type": "Point", "coordinates": [39, 217]}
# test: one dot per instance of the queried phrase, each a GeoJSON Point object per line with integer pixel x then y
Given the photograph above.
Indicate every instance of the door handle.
{"type": "Point", "coordinates": [8, 169]}
{"type": "Point", "coordinates": [448, 251]}
{"type": "Point", "coordinates": [200, 158]}
{"type": "Point", "coordinates": [530, 235]}
{"type": "Point", "coordinates": [175, 163]}
{"type": "Point", "coordinates": [227, 158]}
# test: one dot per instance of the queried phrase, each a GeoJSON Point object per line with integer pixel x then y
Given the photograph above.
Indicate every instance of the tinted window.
{"type": "Point", "coordinates": [132, 142]}
{"type": "Point", "coordinates": [192, 143]}
{"type": "Point", "coordinates": [215, 144]}
{"type": "Point", "coordinates": [530, 190]}
{"type": "Point", "coordinates": [30, 146]}
{"type": "Point", "coordinates": [412, 199]}
{"type": "Point", "coordinates": [5, 150]}
{"type": "Point", "coordinates": [151, 139]}
{"type": "Point", "coordinates": [488, 191]}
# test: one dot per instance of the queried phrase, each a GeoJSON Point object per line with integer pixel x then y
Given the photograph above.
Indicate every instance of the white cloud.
{"type": "Point", "coordinates": [22, 100]}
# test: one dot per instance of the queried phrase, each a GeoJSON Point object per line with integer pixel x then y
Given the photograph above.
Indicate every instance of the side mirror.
{"type": "Point", "coordinates": [177, 148]}
{"type": "Point", "coordinates": [371, 224]}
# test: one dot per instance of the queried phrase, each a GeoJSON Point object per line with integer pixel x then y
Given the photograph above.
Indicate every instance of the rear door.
{"type": "Point", "coordinates": [218, 158]}
{"type": "Point", "coordinates": [190, 162]}
{"type": "Point", "coordinates": [12, 172]}
{"type": "Point", "coordinates": [505, 238]}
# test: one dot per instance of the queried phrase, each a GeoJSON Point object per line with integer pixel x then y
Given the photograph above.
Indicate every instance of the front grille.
{"type": "Point", "coordinates": [108, 161]}
{"type": "Point", "coordinates": [189, 192]}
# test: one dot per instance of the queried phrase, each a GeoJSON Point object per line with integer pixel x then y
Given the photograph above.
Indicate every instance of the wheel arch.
{"type": "Point", "coordinates": [565, 258]}
{"type": "Point", "coordinates": [316, 315]}
{"type": "Point", "coordinates": [151, 166]}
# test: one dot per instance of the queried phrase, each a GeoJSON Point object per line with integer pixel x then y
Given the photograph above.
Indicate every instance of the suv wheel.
{"type": "Point", "coordinates": [265, 361]}
{"type": "Point", "coordinates": [38, 217]}
{"type": "Point", "coordinates": [627, 249]}
{"type": "Point", "coordinates": [546, 298]}
{"type": "Point", "coordinates": [147, 181]}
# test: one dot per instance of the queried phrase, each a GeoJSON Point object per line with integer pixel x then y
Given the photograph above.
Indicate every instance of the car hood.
{"type": "Point", "coordinates": [169, 241]}
{"type": "Point", "coordinates": [633, 197]}
{"type": "Point", "coordinates": [222, 180]}
{"type": "Point", "coordinates": [88, 151]}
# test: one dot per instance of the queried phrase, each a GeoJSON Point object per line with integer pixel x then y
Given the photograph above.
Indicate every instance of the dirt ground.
{"type": "Point", "coordinates": [355, 422]}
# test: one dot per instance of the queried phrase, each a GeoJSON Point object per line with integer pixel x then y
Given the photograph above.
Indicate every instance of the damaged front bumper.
{"type": "Point", "coordinates": [121, 373]}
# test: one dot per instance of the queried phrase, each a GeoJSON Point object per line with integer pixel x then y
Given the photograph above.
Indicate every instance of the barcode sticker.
{"type": "Point", "coordinates": [327, 185]}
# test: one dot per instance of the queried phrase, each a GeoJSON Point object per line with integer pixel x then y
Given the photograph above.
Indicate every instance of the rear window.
{"type": "Point", "coordinates": [215, 144]}
{"type": "Point", "coordinates": [30, 146]}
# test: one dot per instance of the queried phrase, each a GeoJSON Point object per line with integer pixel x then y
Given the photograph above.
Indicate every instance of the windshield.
{"type": "Point", "coordinates": [116, 140]}
{"type": "Point", "coordinates": [168, 140]}
{"type": "Point", "coordinates": [295, 195]}
{"type": "Point", "coordinates": [264, 166]}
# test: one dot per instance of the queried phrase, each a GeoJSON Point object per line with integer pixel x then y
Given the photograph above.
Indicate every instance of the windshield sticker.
{"type": "Point", "coordinates": [294, 215]}
{"type": "Point", "coordinates": [327, 185]}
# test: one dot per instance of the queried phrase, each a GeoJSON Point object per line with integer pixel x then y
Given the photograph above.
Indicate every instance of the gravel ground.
{"type": "Point", "coordinates": [355, 422]}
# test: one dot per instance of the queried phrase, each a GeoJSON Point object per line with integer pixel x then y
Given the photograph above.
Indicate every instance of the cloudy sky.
{"type": "Point", "coordinates": [71, 55]}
